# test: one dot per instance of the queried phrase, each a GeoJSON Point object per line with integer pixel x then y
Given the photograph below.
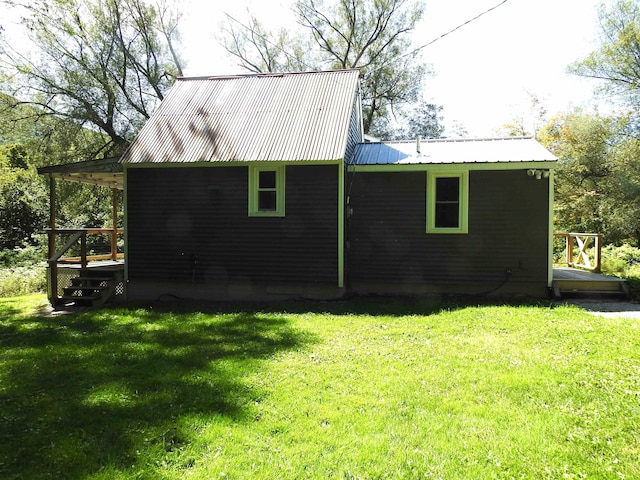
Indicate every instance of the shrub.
{"type": "Point", "coordinates": [622, 261]}
{"type": "Point", "coordinates": [25, 256]}
{"type": "Point", "coordinates": [23, 280]}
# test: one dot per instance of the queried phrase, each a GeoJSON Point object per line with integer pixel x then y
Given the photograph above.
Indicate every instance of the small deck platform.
{"type": "Point", "coordinates": [572, 282]}
{"type": "Point", "coordinates": [97, 264]}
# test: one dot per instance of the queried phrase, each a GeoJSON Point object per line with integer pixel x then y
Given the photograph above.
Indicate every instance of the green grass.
{"type": "Point", "coordinates": [373, 389]}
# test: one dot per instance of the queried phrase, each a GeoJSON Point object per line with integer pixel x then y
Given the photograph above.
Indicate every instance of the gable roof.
{"type": "Point", "coordinates": [267, 117]}
{"type": "Point", "coordinates": [453, 151]}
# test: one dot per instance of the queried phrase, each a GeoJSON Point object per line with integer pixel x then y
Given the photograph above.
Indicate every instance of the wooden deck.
{"type": "Point", "coordinates": [569, 281]}
{"type": "Point", "coordinates": [99, 264]}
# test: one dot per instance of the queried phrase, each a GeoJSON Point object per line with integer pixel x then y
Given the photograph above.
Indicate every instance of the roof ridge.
{"type": "Point", "coordinates": [264, 75]}
{"type": "Point", "coordinates": [454, 140]}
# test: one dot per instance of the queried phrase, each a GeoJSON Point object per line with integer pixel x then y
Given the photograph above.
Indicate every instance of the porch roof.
{"type": "Point", "coordinates": [103, 171]}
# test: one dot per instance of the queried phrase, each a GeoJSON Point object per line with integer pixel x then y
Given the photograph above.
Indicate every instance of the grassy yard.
{"type": "Point", "coordinates": [354, 390]}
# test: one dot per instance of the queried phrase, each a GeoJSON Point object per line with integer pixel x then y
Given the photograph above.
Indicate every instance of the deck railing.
{"type": "Point", "coordinates": [581, 250]}
{"type": "Point", "coordinates": [56, 255]}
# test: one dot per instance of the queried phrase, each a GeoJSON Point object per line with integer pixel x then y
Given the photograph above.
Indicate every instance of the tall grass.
{"type": "Point", "coordinates": [367, 389]}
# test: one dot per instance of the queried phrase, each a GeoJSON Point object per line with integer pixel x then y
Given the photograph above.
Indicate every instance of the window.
{"type": "Point", "coordinates": [447, 202]}
{"type": "Point", "coordinates": [266, 191]}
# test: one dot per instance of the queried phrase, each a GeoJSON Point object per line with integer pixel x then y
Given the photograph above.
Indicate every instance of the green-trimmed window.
{"type": "Point", "coordinates": [266, 191]}
{"type": "Point", "coordinates": [447, 202]}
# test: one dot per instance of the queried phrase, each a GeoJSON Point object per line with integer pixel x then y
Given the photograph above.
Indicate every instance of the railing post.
{"type": "Point", "coordinates": [569, 250]}
{"type": "Point", "coordinates": [114, 233]}
{"type": "Point", "coordinates": [83, 250]}
{"type": "Point", "coordinates": [598, 251]}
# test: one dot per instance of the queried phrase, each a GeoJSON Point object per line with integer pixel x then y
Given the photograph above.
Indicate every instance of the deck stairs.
{"type": "Point", "coordinates": [572, 282]}
{"type": "Point", "coordinates": [92, 287]}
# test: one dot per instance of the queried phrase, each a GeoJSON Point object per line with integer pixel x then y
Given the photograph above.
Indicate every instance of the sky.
{"type": "Point", "coordinates": [484, 73]}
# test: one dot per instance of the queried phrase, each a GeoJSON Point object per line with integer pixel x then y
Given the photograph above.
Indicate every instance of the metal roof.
{"type": "Point", "coordinates": [453, 151]}
{"type": "Point", "coordinates": [294, 116]}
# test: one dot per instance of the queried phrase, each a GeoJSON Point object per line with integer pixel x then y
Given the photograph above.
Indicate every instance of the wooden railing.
{"type": "Point", "coordinates": [56, 256]}
{"type": "Point", "coordinates": [582, 250]}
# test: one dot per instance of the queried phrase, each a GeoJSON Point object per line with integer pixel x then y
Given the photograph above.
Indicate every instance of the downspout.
{"type": "Point", "coordinates": [126, 230]}
{"type": "Point", "coordinates": [341, 200]}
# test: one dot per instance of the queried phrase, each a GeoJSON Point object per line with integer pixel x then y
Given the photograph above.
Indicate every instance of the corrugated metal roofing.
{"type": "Point", "coordinates": [452, 151]}
{"type": "Point", "coordinates": [296, 116]}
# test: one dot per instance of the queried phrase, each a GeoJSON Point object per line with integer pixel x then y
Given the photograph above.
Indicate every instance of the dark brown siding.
{"type": "Point", "coordinates": [506, 247]}
{"type": "Point", "coordinates": [190, 225]}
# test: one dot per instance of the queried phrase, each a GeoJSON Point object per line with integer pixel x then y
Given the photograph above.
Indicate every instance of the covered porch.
{"type": "Point", "coordinates": [85, 265]}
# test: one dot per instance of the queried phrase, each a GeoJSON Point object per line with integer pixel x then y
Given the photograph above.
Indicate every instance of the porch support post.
{"type": "Point", "coordinates": [52, 216]}
{"type": "Point", "coordinates": [114, 224]}
{"type": "Point", "coordinates": [53, 266]}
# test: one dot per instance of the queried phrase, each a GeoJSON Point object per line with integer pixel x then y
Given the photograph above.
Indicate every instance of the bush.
{"type": "Point", "coordinates": [621, 261]}
{"type": "Point", "coordinates": [25, 256]}
{"type": "Point", "coordinates": [23, 280]}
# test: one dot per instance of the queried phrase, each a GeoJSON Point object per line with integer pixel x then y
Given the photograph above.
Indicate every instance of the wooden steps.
{"type": "Point", "coordinates": [91, 288]}
{"type": "Point", "coordinates": [572, 282]}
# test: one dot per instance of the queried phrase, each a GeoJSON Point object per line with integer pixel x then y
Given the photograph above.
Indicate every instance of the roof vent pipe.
{"type": "Point", "coordinates": [418, 145]}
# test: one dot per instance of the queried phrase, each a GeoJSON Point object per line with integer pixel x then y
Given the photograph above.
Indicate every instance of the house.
{"type": "Point", "coordinates": [261, 186]}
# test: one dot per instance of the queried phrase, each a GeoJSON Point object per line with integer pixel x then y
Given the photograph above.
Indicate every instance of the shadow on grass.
{"type": "Point", "coordinates": [110, 388]}
{"type": "Point", "coordinates": [370, 305]}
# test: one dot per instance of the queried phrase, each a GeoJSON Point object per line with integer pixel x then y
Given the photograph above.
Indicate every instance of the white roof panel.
{"type": "Point", "coordinates": [453, 151]}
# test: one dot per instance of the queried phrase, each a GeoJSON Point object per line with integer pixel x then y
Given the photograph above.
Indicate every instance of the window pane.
{"type": "Point", "coordinates": [267, 201]}
{"type": "Point", "coordinates": [267, 179]}
{"type": "Point", "coordinates": [447, 189]}
{"type": "Point", "coordinates": [447, 215]}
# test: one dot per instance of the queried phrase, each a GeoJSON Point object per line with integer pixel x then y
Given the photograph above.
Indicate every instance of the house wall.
{"type": "Point", "coordinates": [189, 234]}
{"type": "Point", "coordinates": [504, 252]}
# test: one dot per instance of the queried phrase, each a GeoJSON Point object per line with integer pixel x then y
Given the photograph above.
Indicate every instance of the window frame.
{"type": "Point", "coordinates": [463, 202]}
{"type": "Point", "coordinates": [254, 191]}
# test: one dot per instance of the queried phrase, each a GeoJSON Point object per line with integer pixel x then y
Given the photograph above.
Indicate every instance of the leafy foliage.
{"type": "Point", "coordinates": [616, 61]}
{"type": "Point", "coordinates": [22, 280]}
{"type": "Point", "coordinates": [598, 176]}
{"type": "Point", "coordinates": [422, 120]}
{"type": "Point", "coordinates": [103, 63]}
{"type": "Point", "coordinates": [24, 200]}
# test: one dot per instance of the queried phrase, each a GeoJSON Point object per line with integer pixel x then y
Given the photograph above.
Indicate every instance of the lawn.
{"type": "Point", "coordinates": [365, 389]}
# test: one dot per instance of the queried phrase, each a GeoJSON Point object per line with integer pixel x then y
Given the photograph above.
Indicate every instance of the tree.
{"type": "Point", "coordinates": [100, 63]}
{"type": "Point", "coordinates": [426, 121]}
{"type": "Point", "coordinates": [581, 143]}
{"type": "Point", "coordinates": [422, 120]}
{"type": "Point", "coordinates": [22, 199]}
{"type": "Point", "coordinates": [597, 180]}
{"type": "Point", "coordinates": [616, 61]}
{"type": "Point", "coordinates": [27, 142]}
{"type": "Point", "coordinates": [259, 50]}
{"type": "Point", "coordinates": [528, 122]}
{"type": "Point", "coordinates": [372, 35]}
